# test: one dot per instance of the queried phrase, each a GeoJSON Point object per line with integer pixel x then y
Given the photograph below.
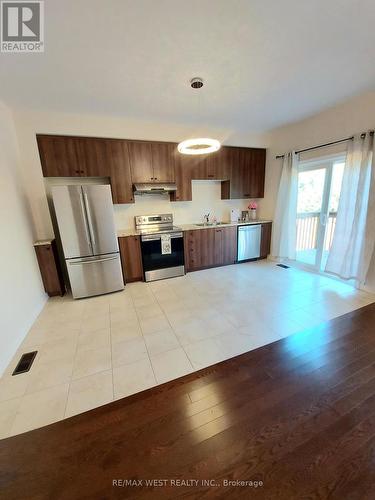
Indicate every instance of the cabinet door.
{"type": "Point", "coordinates": [237, 179]}
{"type": "Point", "coordinates": [96, 157]}
{"type": "Point", "coordinates": [199, 167]}
{"type": "Point", "coordinates": [252, 170]}
{"type": "Point", "coordinates": [218, 247]}
{"type": "Point", "coordinates": [120, 175]}
{"type": "Point", "coordinates": [219, 164]}
{"type": "Point", "coordinates": [131, 258]}
{"type": "Point", "coordinates": [184, 168]}
{"type": "Point", "coordinates": [227, 162]}
{"type": "Point", "coordinates": [193, 254]}
{"type": "Point", "coordinates": [109, 158]}
{"type": "Point", "coordinates": [50, 270]}
{"type": "Point", "coordinates": [163, 161]}
{"type": "Point", "coordinates": [200, 249]}
{"type": "Point", "coordinates": [60, 156]}
{"type": "Point", "coordinates": [141, 161]}
{"type": "Point", "coordinates": [257, 173]}
{"type": "Point", "coordinates": [229, 245]}
{"type": "Point", "coordinates": [247, 173]}
{"type": "Point", "coordinates": [265, 241]}
{"type": "Point", "coordinates": [207, 247]}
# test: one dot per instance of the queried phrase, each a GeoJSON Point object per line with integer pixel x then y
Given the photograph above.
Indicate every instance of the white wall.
{"type": "Point", "coordinates": [351, 117]}
{"type": "Point", "coordinates": [21, 291]}
{"type": "Point", "coordinates": [206, 196]}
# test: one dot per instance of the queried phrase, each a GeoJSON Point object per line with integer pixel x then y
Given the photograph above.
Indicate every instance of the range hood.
{"type": "Point", "coordinates": [154, 188]}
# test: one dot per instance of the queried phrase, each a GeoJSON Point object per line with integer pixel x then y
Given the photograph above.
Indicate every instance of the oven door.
{"type": "Point", "coordinates": [158, 266]}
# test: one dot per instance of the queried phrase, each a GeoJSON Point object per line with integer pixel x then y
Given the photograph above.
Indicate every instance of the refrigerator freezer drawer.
{"type": "Point", "coordinates": [95, 275]}
{"type": "Point", "coordinates": [248, 242]}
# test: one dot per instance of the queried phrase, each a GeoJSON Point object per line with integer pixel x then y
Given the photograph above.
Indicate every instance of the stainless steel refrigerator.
{"type": "Point", "coordinates": [87, 230]}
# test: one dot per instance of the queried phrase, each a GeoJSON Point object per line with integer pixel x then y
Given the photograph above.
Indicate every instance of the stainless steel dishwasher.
{"type": "Point", "coordinates": [248, 242]}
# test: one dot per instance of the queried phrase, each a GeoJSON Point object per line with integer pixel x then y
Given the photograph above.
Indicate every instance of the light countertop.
{"type": "Point", "coordinates": [189, 227]}
{"type": "Point", "coordinates": [43, 242]}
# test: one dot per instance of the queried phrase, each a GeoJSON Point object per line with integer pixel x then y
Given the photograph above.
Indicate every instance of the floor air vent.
{"type": "Point", "coordinates": [283, 266]}
{"type": "Point", "coordinates": [24, 364]}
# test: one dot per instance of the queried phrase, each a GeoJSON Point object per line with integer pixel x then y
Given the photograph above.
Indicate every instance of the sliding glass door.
{"type": "Point", "coordinates": [319, 187]}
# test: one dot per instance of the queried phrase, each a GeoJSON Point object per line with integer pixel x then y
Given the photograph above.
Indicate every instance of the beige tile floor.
{"type": "Point", "coordinates": [96, 350]}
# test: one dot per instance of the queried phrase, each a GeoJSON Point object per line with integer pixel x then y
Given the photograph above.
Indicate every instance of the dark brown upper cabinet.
{"type": "Point", "coordinates": [247, 173]}
{"type": "Point", "coordinates": [152, 161]}
{"type": "Point", "coordinates": [141, 161]}
{"type": "Point", "coordinates": [257, 173]}
{"type": "Point", "coordinates": [218, 164]}
{"type": "Point", "coordinates": [213, 166]}
{"type": "Point", "coordinates": [119, 171]}
{"type": "Point", "coordinates": [162, 155]}
{"type": "Point", "coordinates": [109, 158]}
{"type": "Point", "coordinates": [240, 170]}
{"type": "Point", "coordinates": [187, 167]}
{"type": "Point", "coordinates": [65, 156]}
{"type": "Point", "coordinates": [60, 156]}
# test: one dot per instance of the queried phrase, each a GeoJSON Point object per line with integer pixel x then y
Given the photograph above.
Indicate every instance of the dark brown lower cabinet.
{"type": "Point", "coordinates": [131, 258]}
{"type": "Point", "coordinates": [229, 245]}
{"type": "Point", "coordinates": [50, 268]}
{"type": "Point", "coordinates": [218, 246]}
{"type": "Point", "coordinates": [265, 241]}
{"type": "Point", "coordinates": [199, 249]}
{"type": "Point", "coordinates": [210, 247]}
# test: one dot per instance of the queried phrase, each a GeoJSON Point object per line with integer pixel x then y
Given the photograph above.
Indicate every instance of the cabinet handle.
{"type": "Point", "coordinates": [82, 172]}
{"type": "Point", "coordinates": [155, 178]}
{"type": "Point", "coordinates": [77, 171]}
{"type": "Point", "coordinates": [210, 175]}
{"type": "Point", "coordinates": [247, 195]}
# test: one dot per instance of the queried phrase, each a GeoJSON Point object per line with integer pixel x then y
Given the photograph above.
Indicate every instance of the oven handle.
{"type": "Point", "coordinates": [155, 237]}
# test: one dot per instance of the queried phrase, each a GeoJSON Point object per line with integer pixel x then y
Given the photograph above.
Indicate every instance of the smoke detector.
{"type": "Point", "coordinates": [196, 83]}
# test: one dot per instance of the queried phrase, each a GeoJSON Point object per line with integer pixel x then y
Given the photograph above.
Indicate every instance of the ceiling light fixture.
{"type": "Point", "coordinates": [202, 145]}
{"type": "Point", "coordinates": [198, 146]}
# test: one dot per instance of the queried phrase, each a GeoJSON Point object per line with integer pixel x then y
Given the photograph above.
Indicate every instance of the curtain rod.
{"type": "Point", "coordinates": [327, 144]}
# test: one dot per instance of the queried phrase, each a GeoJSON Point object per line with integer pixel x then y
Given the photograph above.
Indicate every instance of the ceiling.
{"type": "Point", "coordinates": [265, 62]}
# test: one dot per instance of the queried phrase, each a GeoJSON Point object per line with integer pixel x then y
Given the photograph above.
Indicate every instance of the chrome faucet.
{"type": "Point", "coordinates": [207, 217]}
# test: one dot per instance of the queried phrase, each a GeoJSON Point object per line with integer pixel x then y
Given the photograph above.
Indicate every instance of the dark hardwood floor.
{"type": "Point", "coordinates": [297, 416]}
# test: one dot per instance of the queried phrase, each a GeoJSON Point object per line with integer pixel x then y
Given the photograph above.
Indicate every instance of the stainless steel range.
{"type": "Point", "coordinates": [162, 246]}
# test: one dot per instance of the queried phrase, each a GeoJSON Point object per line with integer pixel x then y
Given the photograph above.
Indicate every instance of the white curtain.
{"type": "Point", "coordinates": [284, 227]}
{"type": "Point", "coordinates": [354, 236]}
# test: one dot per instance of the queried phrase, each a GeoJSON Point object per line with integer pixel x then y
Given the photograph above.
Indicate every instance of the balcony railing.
{"type": "Point", "coordinates": [307, 230]}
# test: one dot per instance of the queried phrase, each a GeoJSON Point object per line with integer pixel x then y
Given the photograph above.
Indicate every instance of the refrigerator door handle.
{"type": "Point", "coordinates": [93, 261]}
{"type": "Point", "coordinates": [89, 219]}
{"type": "Point", "coordinates": [85, 225]}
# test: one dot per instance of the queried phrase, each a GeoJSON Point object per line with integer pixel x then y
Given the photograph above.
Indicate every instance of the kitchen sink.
{"type": "Point", "coordinates": [208, 224]}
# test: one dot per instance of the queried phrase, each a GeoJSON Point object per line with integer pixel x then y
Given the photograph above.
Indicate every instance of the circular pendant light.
{"type": "Point", "coordinates": [199, 146]}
